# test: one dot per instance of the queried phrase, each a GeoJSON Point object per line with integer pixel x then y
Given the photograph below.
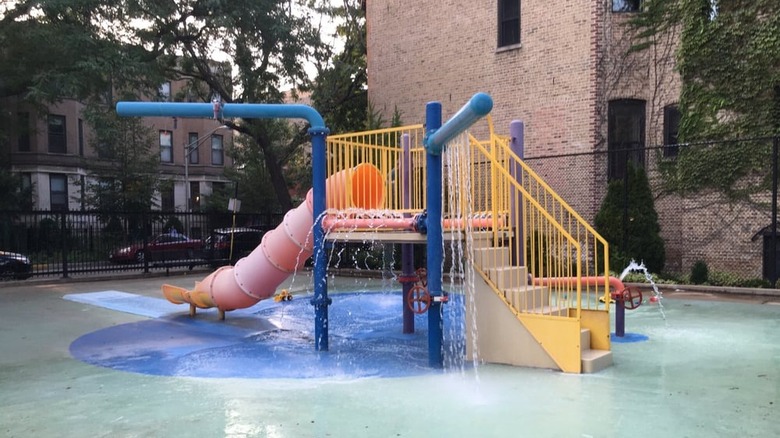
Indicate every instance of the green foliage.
{"type": "Point", "coordinates": [641, 240]}
{"type": "Point", "coordinates": [173, 223]}
{"type": "Point", "coordinates": [15, 195]}
{"type": "Point", "coordinates": [729, 62]}
{"type": "Point", "coordinates": [700, 273]}
{"type": "Point", "coordinates": [340, 90]}
{"type": "Point", "coordinates": [125, 177]}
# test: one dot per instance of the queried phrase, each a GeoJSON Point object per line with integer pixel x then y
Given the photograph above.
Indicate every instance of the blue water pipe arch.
{"type": "Point", "coordinates": [436, 137]}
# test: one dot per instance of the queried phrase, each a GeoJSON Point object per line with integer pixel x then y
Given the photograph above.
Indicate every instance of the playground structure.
{"type": "Point", "coordinates": [541, 287]}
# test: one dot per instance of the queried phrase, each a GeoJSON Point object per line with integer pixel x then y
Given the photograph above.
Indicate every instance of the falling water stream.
{"type": "Point", "coordinates": [640, 267]}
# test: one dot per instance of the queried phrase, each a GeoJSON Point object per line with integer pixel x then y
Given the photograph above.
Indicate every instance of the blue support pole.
{"type": "Point", "coordinates": [407, 249]}
{"type": "Point", "coordinates": [434, 238]}
{"type": "Point", "coordinates": [435, 138]}
{"type": "Point", "coordinates": [320, 301]}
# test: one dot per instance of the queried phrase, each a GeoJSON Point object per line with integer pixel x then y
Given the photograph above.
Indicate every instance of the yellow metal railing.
{"type": "Point", "coordinates": [384, 148]}
{"type": "Point", "coordinates": [521, 221]}
{"type": "Point", "coordinates": [563, 255]}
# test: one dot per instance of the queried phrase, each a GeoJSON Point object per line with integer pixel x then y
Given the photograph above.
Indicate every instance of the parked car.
{"type": "Point", "coordinates": [216, 247]}
{"type": "Point", "coordinates": [14, 266]}
{"type": "Point", "coordinates": [167, 246]}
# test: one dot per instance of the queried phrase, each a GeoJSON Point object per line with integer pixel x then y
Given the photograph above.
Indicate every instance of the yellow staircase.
{"type": "Point", "coordinates": [533, 235]}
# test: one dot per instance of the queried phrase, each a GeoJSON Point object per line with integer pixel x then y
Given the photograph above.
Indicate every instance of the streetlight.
{"type": "Point", "coordinates": [189, 148]}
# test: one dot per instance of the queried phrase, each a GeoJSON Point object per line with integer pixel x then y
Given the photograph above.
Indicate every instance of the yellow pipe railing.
{"type": "Point", "coordinates": [543, 231]}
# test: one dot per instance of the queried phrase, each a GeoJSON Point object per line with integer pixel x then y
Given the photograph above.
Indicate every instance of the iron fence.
{"type": "Point", "coordinates": [716, 203]}
{"type": "Point", "coordinates": [66, 244]}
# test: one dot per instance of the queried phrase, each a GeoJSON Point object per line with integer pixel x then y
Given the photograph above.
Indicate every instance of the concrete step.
{"type": "Point", "coordinates": [526, 298]}
{"type": "Point", "coordinates": [508, 277]}
{"type": "Point", "coordinates": [554, 310]}
{"type": "Point", "coordinates": [584, 339]}
{"type": "Point", "coordinates": [594, 361]}
{"type": "Point", "coordinates": [482, 239]}
{"type": "Point", "coordinates": [487, 258]}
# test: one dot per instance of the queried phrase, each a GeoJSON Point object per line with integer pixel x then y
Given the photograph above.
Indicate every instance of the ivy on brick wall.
{"type": "Point", "coordinates": [728, 58]}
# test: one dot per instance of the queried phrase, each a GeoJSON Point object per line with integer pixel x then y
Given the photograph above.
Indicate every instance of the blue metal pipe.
{"type": "Point", "coordinates": [230, 110]}
{"type": "Point", "coordinates": [320, 301]}
{"type": "Point", "coordinates": [318, 133]}
{"type": "Point", "coordinates": [434, 239]}
{"type": "Point", "coordinates": [478, 106]}
{"type": "Point", "coordinates": [407, 249]}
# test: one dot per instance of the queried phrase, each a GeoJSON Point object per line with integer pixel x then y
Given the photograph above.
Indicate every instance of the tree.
{"type": "Point", "coordinates": [265, 41]}
{"type": "Point", "coordinates": [125, 175]}
{"type": "Point", "coordinates": [634, 235]}
{"type": "Point", "coordinates": [340, 91]}
{"type": "Point", "coordinates": [15, 195]}
{"type": "Point", "coordinates": [242, 51]}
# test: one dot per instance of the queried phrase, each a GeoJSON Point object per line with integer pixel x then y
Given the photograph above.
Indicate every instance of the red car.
{"type": "Point", "coordinates": [168, 246]}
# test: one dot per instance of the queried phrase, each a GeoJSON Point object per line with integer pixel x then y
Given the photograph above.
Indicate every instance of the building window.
{"type": "Point", "coordinates": [81, 137]}
{"type": "Point", "coordinates": [195, 196]}
{"type": "Point", "coordinates": [166, 146]}
{"type": "Point", "coordinates": [217, 151]}
{"type": "Point", "coordinates": [57, 139]}
{"type": "Point", "coordinates": [671, 128]}
{"type": "Point", "coordinates": [27, 191]}
{"type": "Point", "coordinates": [166, 197]}
{"type": "Point", "coordinates": [508, 22]}
{"type": "Point", "coordinates": [626, 5]}
{"type": "Point", "coordinates": [192, 146]}
{"type": "Point", "coordinates": [626, 128]}
{"type": "Point", "coordinates": [58, 192]}
{"type": "Point", "coordinates": [23, 139]}
{"type": "Point", "coordinates": [164, 92]}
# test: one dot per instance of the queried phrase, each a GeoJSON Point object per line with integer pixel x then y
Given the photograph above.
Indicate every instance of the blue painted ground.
{"type": "Point", "coordinates": [275, 340]}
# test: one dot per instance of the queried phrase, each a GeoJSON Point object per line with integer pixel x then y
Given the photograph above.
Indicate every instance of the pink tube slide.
{"type": "Point", "coordinates": [282, 250]}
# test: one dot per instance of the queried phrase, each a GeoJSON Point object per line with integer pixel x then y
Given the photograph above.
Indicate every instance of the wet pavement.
{"type": "Point", "coordinates": [710, 368]}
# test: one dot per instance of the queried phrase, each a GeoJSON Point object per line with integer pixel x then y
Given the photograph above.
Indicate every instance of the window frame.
{"type": "Point", "coordinates": [671, 131]}
{"type": "Point", "coordinates": [164, 95]}
{"type": "Point", "coordinates": [58, 141]}
{"type": "Point", "coordinates": [217, 150]}
{"type": "Point", "coordinates": [60, 205]}
{"type": "Point", "coordinates": [192, 146]}
{"type": "Point", "coordinates": [23, 138]}
{"type": "Point", "coordinates": [618, 152]}
{"type": "Point", "coordinates": [507, 24]}
{"type": "Point", "coordinates": [166, 150]}
{"type": "Point", "coordinates": [626, 7]}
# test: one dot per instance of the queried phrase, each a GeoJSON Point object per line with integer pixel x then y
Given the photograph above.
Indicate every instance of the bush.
{"type": "Point", "coordinates": [172, 224]}
{"type": "Point", "coordinates": [699, 273]}
{"type": "Point", "coordinates": [642, 241]}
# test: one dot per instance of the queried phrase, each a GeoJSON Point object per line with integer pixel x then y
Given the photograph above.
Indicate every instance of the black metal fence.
{"type": "Point", "coordinates": [716, 203]}
{"type": "Point", "coordinates": [66, 244]}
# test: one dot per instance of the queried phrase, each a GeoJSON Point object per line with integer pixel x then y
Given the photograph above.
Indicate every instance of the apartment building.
{"type": "Point", "coordinates": [49, 150]}
{"type": "Point", "coordinates": [563, 69]}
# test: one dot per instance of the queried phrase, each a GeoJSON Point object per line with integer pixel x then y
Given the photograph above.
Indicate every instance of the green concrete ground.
{"type": "Point", "coordinates": [711, 368]}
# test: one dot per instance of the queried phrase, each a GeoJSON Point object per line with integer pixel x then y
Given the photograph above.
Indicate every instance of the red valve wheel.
{"type": "Point", "coordinates": [632, 297]}
{"type": "Point", "coordinates": [419, 299]}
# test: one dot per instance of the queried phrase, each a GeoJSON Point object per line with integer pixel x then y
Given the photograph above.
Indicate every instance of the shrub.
{"type": "Point", "coordinates": [699, 273]}
{"type": "Point", "coordinates": [640, 240]}
{"type": "Point", "coordinates": [173, 223]}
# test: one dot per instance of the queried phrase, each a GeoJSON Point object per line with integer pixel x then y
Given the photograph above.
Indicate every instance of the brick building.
{"type": "Point", "coordinates": [563, 68]}
{"type": "Point", "coordinates": [49, 150]}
